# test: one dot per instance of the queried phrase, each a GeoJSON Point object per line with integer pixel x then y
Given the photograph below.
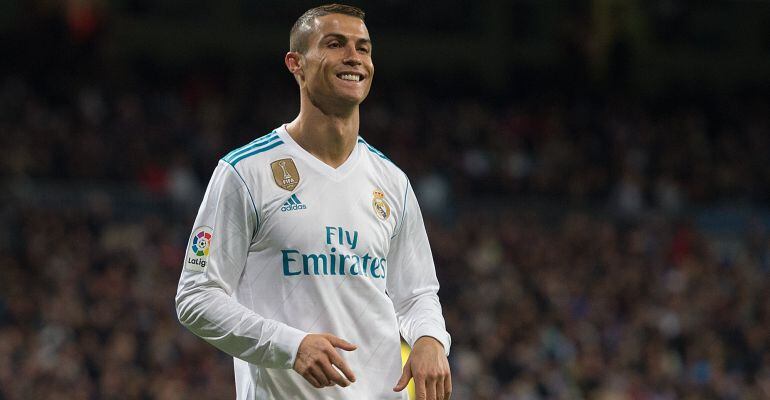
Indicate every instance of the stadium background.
{"type": "Point", "coordinates": [593, 174]}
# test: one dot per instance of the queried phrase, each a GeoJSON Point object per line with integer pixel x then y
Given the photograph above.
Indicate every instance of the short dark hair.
{"type": "Point", "coordinates": [301, 29]}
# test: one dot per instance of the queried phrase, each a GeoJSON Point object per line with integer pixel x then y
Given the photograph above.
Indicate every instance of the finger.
{"type": "Point", "coordinates": [341, 343]}
{"type": "Point", "coordinates": [419, 388]}
{"type": "Point", "coordinates": [404, 380]}
{"type": "Point", "coordinates": [333, 375]}
{"type": "Point", "coordinates": [439, 387]}
{"type": "Point", "coordinates": [448, 387]}
{"type": "Point", "coordinates": [313, 381]}
{"type": "Point", "coordinates": [340, 363]}
{"type": "Point", "coordinates": [430, 389]}
{"type": "Point", "coordinates": [319, 375]}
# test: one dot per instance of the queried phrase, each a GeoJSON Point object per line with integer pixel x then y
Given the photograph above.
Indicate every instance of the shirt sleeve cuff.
{"type": "Point", "coordinates": [437, 333]}
{"type": "Point", "coordinates": [286, 343]}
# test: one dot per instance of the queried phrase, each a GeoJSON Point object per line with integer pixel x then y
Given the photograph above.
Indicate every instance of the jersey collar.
{"type": "Point", "coordinates": [318, 165]}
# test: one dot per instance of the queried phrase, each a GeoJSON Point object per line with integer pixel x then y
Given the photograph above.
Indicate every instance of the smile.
{"type": "Point", "coordinates": [350, 77]}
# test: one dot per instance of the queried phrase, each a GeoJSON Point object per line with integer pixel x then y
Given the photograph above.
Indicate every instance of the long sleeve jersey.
{"type": "Point", "coordinates": [285, 245]}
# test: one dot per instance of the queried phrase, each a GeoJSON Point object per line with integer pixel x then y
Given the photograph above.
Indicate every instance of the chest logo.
{"type": "Point", "coordinates": [380, 206]}
{"type": "Point", "coordinates": [293, 204]}
{"type": "Point", "coordinates": [285, 173]}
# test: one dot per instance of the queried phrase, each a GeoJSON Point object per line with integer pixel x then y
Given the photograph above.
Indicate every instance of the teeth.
{"type": "Point", "coordinates": [350, 77]}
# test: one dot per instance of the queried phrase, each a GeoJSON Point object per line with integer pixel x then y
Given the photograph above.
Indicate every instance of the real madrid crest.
{"type": "Point", "coordinates": [285, 173]}
{"type": "Point", "coordinates": [380, 206]}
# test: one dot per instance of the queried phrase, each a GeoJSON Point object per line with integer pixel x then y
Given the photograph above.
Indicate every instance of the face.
{"type": "Point", "coordinates": [337, 69]}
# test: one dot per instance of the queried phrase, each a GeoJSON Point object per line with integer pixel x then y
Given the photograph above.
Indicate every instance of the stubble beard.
{"type": "Point", "coordinates": [332, 104]}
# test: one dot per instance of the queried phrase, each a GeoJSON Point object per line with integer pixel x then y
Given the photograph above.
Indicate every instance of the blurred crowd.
{"type": "Point", "coordinates": [592, 309]}
{"type": "Point", "coordinates": [87, 312]}
{"type": "Point", "coordinates": [616, 294]}
{"type": "Point", "coordinates": [585, 308]}
{"type": "Point", "coordinates": [634, 155]}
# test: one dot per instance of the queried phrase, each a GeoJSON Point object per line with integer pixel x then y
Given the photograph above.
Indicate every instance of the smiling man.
{"type": "Point", "coordinates": [309, 254]}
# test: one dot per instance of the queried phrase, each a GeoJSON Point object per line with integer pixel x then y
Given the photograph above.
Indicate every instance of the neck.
{"type": "Point", "coordinates": [330, 137]}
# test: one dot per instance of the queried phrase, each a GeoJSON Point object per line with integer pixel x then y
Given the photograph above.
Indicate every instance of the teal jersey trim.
{"type": "Point", "coordinates": [256, 150]}
{"type": "Point", "coordinates": [252, 145]}
{"type": "Point", "coordinates": [373, 150]}
{"type": "Point", "coordinates": [403, 213]}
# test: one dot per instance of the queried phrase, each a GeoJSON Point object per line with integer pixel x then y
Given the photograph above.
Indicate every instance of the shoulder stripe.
{"type": "Point", "coordinates": [254, 146]}
{"type": "Point", "coordinates": [403, 213]}
{"type": "Point", "coordinates": [255, 143]}
{"type": "Point", "coordinates": [254, 151]}
{"type": "Point", "coordinates": [373, 150]}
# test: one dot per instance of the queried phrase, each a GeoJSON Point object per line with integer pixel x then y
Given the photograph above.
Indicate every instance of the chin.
{"type": "Point", "coordinates": [352, 100]}
{"type": "Point", "coordinates": [352, 95]}
{"type": "Point", "coordinates": [336, 99]}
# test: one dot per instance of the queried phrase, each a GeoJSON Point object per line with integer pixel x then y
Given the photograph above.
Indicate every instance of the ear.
{"type": "Point", "coordinates": [293, 61]}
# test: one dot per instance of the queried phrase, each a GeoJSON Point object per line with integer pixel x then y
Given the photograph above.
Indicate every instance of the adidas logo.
{"type": "Point", "coordinates": [293, 204]}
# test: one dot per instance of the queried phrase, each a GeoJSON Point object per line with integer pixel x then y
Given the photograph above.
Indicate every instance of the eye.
{"type": "Point", "coordinates": [363, 50]}
{"type": "Point", "coordinates": [334, 45]}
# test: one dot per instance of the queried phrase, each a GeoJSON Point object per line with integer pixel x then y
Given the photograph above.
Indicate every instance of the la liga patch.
{"type": "Point", "coordinates": [198, 249]}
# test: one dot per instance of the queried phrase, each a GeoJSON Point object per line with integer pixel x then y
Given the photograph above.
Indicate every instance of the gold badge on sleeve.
{"type": "Point", "coordinates": [380, 206]}
{"type": "Point", "coordinates": [285, 173]}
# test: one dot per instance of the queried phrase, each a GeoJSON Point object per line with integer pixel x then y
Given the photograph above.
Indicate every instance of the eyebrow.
{"type": "Point", "coordinates": [344, 38]}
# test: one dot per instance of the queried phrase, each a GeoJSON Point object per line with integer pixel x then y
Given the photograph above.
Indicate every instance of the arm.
{"type": "Point", "coordinates": [203, 301]}
{"type": "Point", "coordinates": [413, 287]}
{"type": "Point", "coordinates": [411, 280]}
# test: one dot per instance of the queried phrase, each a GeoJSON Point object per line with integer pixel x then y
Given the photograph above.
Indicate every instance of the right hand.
{"type": "Point", "coordinates": [317, 357]}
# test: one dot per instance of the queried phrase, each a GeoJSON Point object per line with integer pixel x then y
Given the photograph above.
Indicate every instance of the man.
{"type": "Point", "coordinates": [310, 240]}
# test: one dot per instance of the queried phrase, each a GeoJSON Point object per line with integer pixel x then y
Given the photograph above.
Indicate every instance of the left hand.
{"type": "Point", "coordinates": [430, 369]}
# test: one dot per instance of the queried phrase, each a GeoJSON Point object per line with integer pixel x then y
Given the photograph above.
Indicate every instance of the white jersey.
{"type": "Point", "coordinates": [285, 245]}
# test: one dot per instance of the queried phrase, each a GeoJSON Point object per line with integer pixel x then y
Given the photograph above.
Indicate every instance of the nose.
{"type": "Point", "coordinates": [352, 62]}
{"type": "Point", "coordinates": [351, 56]}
